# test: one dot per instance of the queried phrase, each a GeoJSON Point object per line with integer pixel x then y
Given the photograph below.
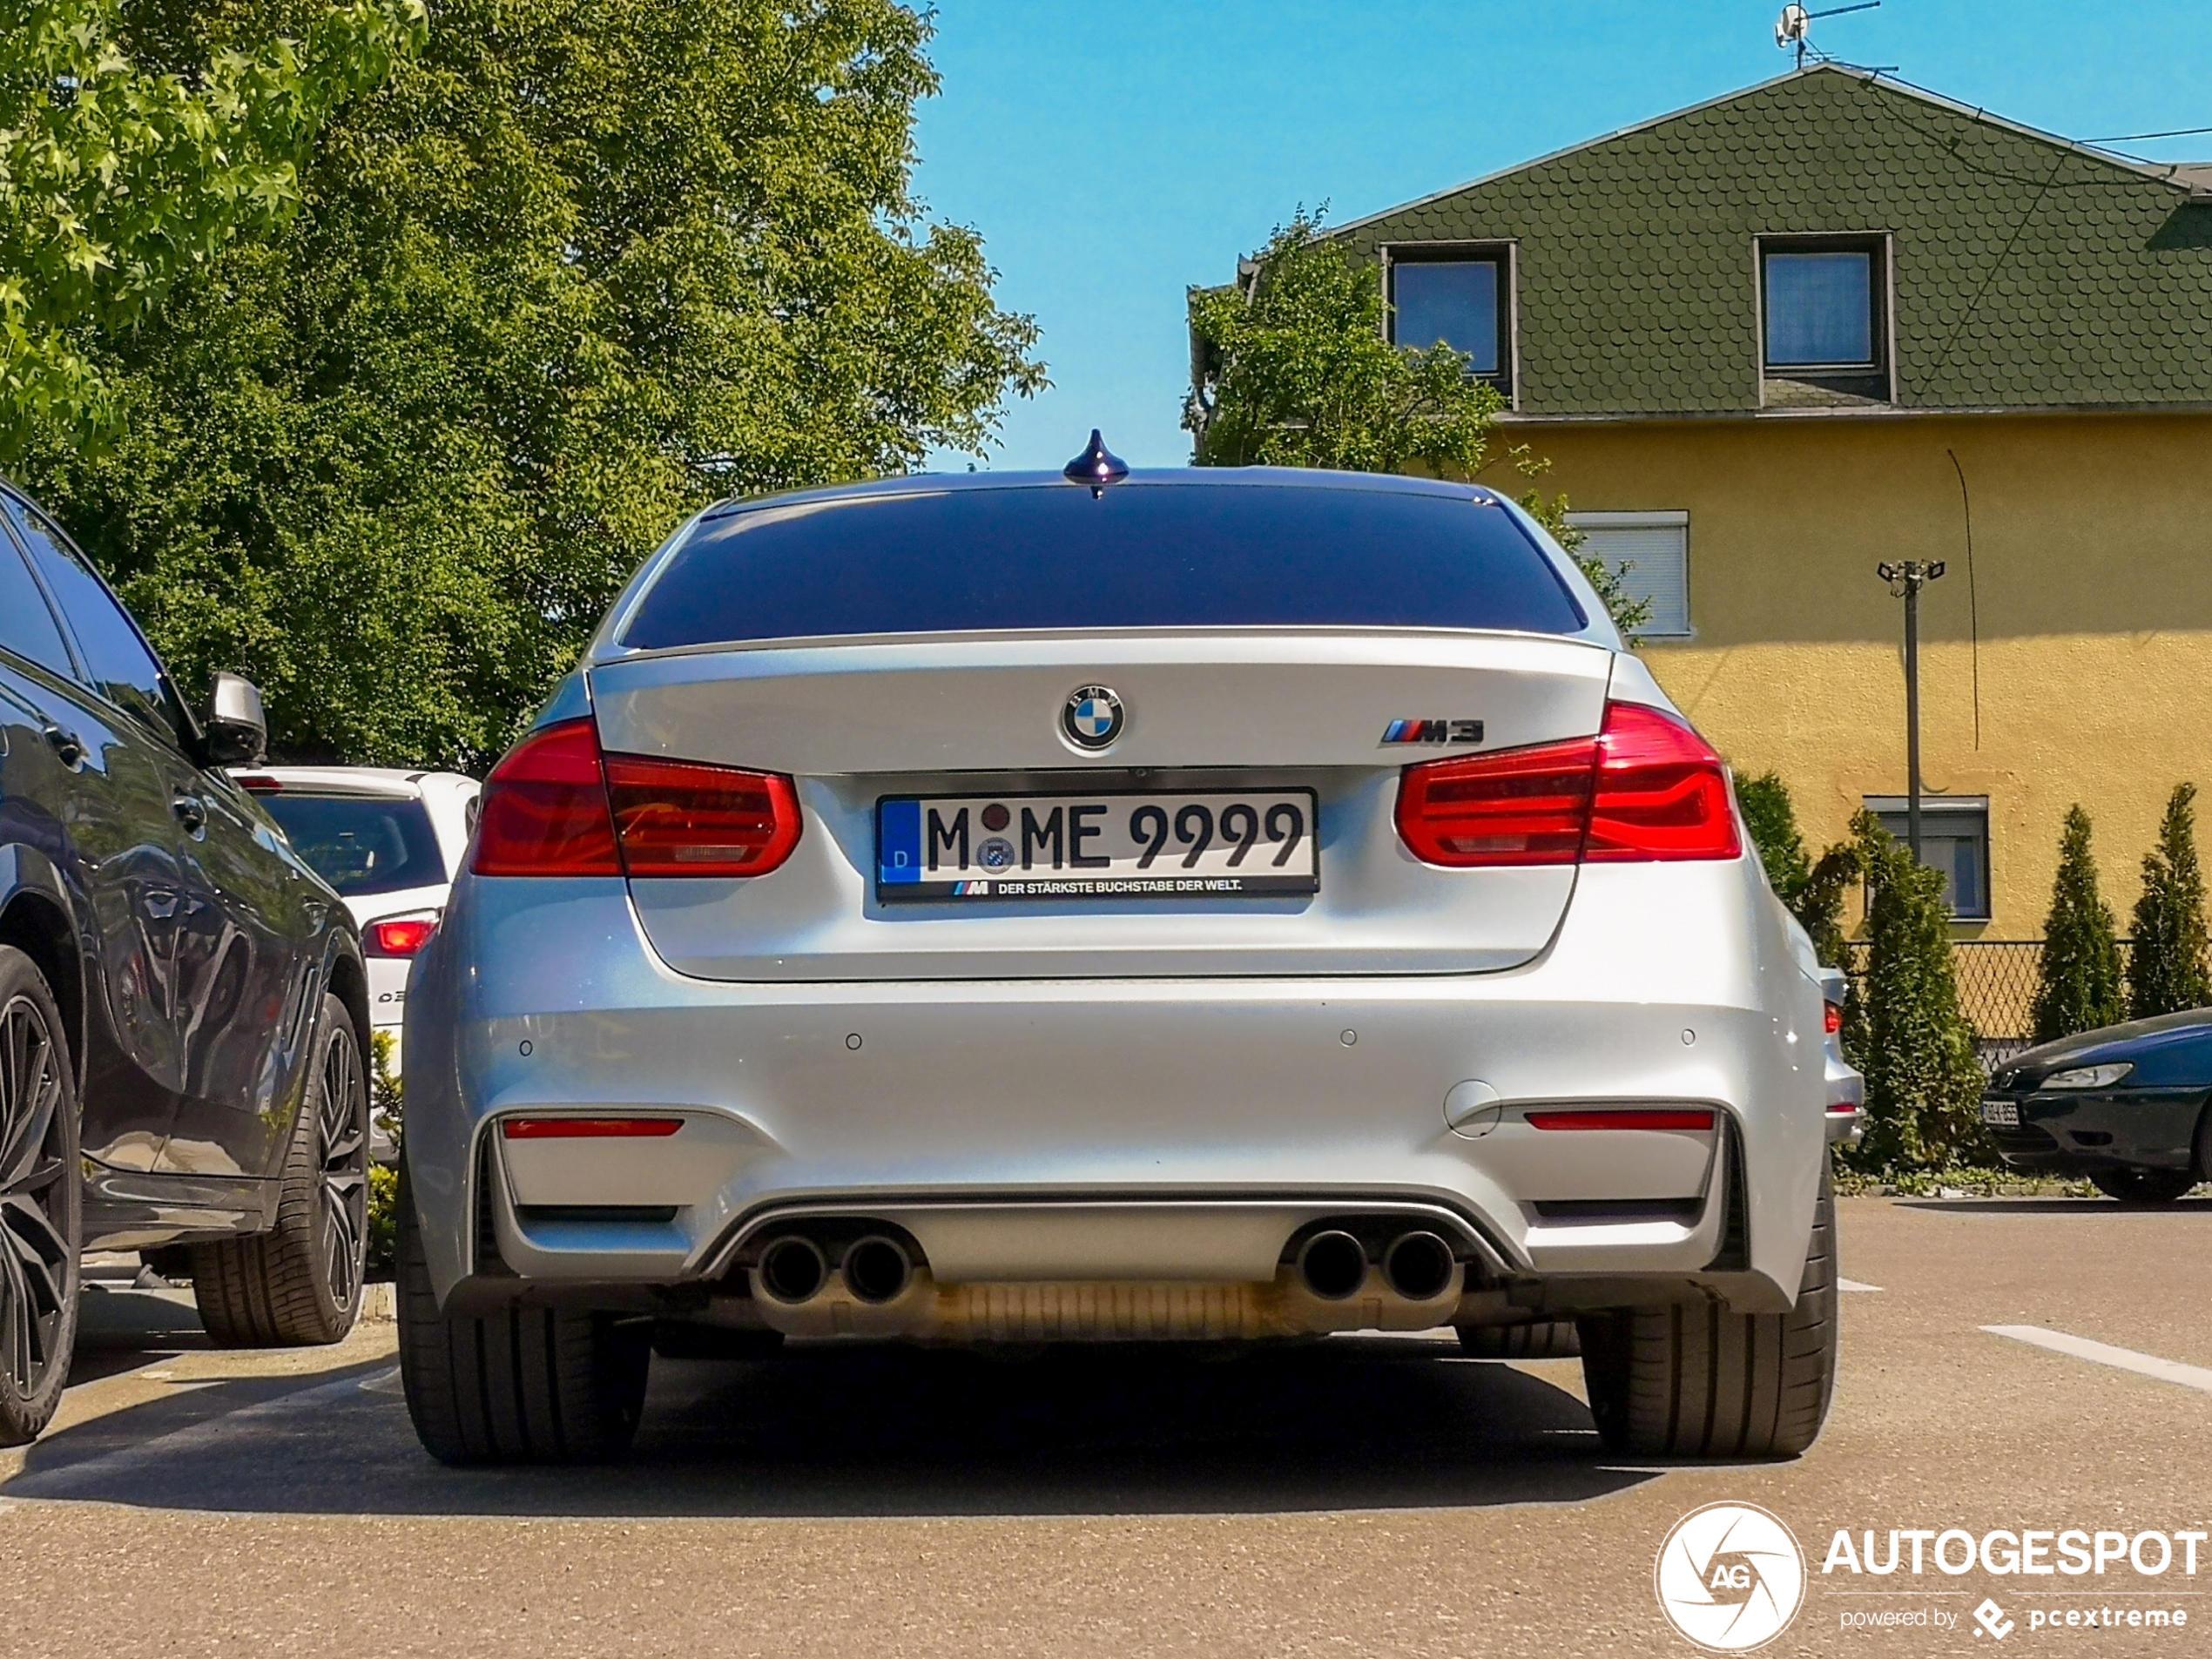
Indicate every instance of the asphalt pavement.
{"type": "Point", "coordinates": [1355, 1496]}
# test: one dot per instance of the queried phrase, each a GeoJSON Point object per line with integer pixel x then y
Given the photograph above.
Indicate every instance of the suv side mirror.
{"type": "Point", "coordinates": [238, 731]}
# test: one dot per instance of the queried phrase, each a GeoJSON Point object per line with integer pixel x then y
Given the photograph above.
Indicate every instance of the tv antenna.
{"type": "Point", "coordinates": [1794, 29]}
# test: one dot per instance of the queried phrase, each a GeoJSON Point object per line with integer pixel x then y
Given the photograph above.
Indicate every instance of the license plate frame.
{"type": "Point", "coordinates": [2000, 1114]}
{"type": "Point", "coordinates": [905, 828]}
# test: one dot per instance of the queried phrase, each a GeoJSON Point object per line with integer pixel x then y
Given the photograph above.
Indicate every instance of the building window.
{"type": "Point", "coordinates": [1651, 553]}
{"type": "Point", "coordinates": [1460, 298]}
{"type": "Point", "coordinates": [1954, 838]}
{"type": "Point", "coordinates": [1824, 306]}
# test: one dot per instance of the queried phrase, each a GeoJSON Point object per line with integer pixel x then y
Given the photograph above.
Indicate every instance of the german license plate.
{"type": "Point", "coordinates": [2004, 1112]}
{"type": "Point", "coordinates": [1253, 843]}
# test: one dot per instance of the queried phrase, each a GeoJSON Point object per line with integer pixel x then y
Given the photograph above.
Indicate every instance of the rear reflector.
{"type": "Point", "coordinates": [1675, 1119]}
{"type": "Point", "coordinates": [680, 818]}
{"type": "Point", "coordinates": [1646, 787]}
{"type": "Point", "coordinates": [399, 935]}
{"type": "Point", "coordinates": [576, 1129]}
{"type": "Point", "coordinates": [544, 810]}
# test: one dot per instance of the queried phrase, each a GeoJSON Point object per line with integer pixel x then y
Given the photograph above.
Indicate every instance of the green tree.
{"type": "Point", "coordinates": [1297, 372]}
{"type": "Point", "coordinates": [2167, 968]}
{"type": "Point", "coordinates": [2077, 986]}
{"type": "Point", "coordinates": [1813, 891]}
{"type": "Point", "coordinates": [120, 173]}
{"type": "Point", "coordinates": [574, 272]}
{"type": "Point", "coordinates": [1923, 1081]}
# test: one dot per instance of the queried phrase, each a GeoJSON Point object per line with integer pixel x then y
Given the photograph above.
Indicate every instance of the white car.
{"type": "Point", "coordinates": [390, 843]}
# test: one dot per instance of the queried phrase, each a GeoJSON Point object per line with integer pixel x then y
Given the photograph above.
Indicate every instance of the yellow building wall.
{"type": "Point", "coordinates": [2069, 660]}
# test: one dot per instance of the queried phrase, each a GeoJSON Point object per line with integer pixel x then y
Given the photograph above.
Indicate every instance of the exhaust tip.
{"type": "Point", "coordinates": [1332, 1265]}
{"type": "Point", "coordinates": [792, 1269]}
{"type": "Point", "coordinates": [1418, 1266]}
{"type": "Point", "coordinates": [877, 1269]}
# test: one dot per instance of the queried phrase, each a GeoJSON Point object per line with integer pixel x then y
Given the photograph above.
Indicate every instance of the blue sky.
{"type": "Point", "coordinates": [1115, 153]}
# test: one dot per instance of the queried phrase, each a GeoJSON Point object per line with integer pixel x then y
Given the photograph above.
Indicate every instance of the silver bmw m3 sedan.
{"type": "Point", "coordinates": [1206, 906]}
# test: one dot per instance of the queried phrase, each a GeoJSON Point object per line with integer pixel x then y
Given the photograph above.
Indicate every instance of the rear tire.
{"type": "Point", "coordinates": [517, 1385]}
{"type": "Point", "coordinates": [1702, 1382]}
{"type": "Point", "coordinates": [1545, 1340]}
{"type": "Point", "coordinates": [299, 1284]}
{"type": "Point", "coordinates": [41, 1212]}
{"type": "Point", "coordinates": [2143, 1186]}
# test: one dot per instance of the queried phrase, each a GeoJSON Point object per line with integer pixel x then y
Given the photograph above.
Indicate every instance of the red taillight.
{"type": "Point", "coordinates": [1632, 1119]}
{"type": "Point", "coordinates": [573, 1128]}
{"type": "Point", "coordinates": [544, 810]}
{"type": "Point", "coordinates": [1662, 792]}
{"type": "Point", "coordinates": [557, 806]}
{"type": "Point", "coordinates": [399, 936]}
{"type": "Point", "coordinates": [680, 818]}
{"type": "Point", "coordinates": [1517, 807]}
{"type": "Point", "coordinates": [1831, 1018]}
{"type": "Point", "coordinates": [1646, 787]}
{"type": "Point", "coordinates": [257, 783]}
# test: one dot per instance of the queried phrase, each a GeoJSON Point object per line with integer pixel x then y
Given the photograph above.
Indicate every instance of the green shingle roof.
{"type": "Point", "coordinates": [2030, 272]}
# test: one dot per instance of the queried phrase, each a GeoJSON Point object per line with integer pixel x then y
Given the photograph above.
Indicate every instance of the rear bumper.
{"type": "Point", "coordinates": [1126, 1131]}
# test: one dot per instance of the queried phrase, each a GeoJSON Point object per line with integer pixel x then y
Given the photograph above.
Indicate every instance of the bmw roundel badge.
{"type": "Point", "coordinates": [1092, 717]}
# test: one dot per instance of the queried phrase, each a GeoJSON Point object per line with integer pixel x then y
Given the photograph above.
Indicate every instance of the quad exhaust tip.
{"type": "Point", "coordinates": [1332, 1265]}
{"type": "Point", "coordinates": [878, 1270]}
{"type": "Point", "coordinates": [1419, 1266]}
{"type": "Point", "coordinates": [792, 1269]}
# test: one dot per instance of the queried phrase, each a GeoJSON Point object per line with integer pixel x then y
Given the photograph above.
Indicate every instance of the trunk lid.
{"type": "Point", "coordinates": [1203, 711]}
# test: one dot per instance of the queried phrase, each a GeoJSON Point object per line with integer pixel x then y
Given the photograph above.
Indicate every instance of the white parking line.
{"type": "Point", "coordinates": [1853, 1284]}
{"type": "Point", "coordinates": [2103, 1354]}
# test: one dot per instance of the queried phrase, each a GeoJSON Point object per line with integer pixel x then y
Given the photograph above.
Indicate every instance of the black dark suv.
{"type": "Point", "coordinates": [182, 1002]}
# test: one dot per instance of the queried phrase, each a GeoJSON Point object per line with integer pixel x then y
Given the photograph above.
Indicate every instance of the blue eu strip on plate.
{"type": "Point", "coordinates": [898, 842]}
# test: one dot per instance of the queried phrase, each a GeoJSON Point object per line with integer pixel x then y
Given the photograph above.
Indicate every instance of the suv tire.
{"type": "Point", "coordinates": [42, 1199]}
{"type": "Point", "coordinates": [1699, 1381]}
{"type": "Point", "coordinates": [299, 1284]}
{"type": "Point", "coordinates": [518, 1385]}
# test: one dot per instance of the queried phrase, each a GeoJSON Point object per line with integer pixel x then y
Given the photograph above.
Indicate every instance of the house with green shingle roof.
{"type": "Point", "coordinates": [1773, 340]}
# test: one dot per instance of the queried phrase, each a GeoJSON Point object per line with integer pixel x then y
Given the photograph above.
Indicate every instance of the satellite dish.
{"type": "Point", "coordinates": [1793, 27]}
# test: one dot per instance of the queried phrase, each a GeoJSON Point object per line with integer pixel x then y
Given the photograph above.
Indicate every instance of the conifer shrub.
{"type": "Point", "coordinates": [2167, 969]}
{"type": "Point", "coordinates": [1923, 1081]}
{"type": "Point", "coordinates": [2077, 986]}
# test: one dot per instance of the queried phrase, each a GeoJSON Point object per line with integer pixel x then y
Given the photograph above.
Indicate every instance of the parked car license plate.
{"type": "Point", "coordinates": [1236, 844]}
{"type": "Point", "coordinates": [2004, 1112]}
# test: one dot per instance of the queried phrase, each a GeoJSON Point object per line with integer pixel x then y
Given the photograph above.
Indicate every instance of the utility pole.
{"type": "Point", "coordinates": [1906, 577]}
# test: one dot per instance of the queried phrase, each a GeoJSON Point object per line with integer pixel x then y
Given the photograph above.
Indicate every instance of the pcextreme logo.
{"type": "Point", "coordinates": [1729, 1577]}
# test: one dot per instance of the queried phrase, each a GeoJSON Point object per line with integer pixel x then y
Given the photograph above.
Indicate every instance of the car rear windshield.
{"type": "Point", "coordinates": [360, 844]}
{"type": "Point", "coordinates": [1140, 556]}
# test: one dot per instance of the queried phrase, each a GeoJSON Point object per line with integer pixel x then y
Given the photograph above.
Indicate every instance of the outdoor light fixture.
{"type": "Point", "coordinates": [1906, 577]}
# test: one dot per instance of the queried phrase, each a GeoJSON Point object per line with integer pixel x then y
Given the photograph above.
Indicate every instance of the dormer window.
{"type": "Point", "coordinates": [1824, 312]}
{"type": "Point", "coordinates": [1457, 296]}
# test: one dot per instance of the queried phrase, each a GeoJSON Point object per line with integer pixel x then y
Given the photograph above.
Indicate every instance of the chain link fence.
{"type": "Point", "coordinates": [1996, 989]}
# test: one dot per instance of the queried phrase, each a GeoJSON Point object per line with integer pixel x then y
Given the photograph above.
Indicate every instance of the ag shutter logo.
{"type": "Point", "coordinates": [1729, 1577]}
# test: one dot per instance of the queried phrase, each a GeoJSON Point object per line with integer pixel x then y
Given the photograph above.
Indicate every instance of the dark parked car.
{"type": "Point", "coordinates": [182, 1001]}
{"type": "Point", "coordinates": [2125, 1106]}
